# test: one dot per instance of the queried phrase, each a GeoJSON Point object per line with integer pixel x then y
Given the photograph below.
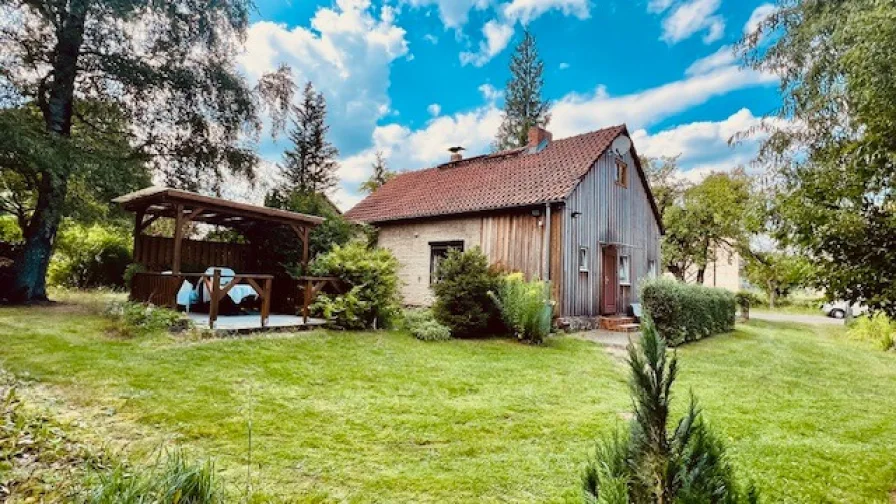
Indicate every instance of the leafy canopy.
{"type": "Point", "coordinates": [831, 145]}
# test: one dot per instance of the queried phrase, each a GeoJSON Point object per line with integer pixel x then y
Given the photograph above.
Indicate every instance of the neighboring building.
{"type": "Point", "coordinates": [573, 211]}
{"type": "Point", "coordinates": [725, 271]}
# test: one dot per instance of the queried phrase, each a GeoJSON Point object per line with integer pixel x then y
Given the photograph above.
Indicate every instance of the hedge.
{"type": "Point", "coordinates": [683, 312]}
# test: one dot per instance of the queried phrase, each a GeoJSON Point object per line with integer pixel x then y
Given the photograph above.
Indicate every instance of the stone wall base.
{"type": "Point", "coordinates": [576, 324]}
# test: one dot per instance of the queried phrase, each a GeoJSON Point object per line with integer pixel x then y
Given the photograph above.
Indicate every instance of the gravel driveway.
{"type": "Point", "coordinates": [802, 319]}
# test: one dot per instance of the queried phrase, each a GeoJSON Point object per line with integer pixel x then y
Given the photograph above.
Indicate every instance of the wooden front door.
{"type": "Point", "coordinates": [610, 286]}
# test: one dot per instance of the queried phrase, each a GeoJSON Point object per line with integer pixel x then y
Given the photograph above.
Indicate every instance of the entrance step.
{"type": "Point", "coordinates": [619, 324]}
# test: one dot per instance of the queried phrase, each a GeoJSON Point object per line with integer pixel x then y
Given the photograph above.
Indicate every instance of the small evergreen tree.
{"type": "Point", "coordinates": [524, 106]}
{"type": "Point", "coordinates": [310, 166]}
{"type": "Point", "coordinates": [381, 174]}
{"type": "Point", "coordinates": [649, 464]}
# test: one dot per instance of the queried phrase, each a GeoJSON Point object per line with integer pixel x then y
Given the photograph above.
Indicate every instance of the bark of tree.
{"type": "Point", "coordinates": [56, 103]}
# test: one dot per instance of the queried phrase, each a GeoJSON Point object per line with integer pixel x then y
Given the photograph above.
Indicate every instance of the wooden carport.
{"type": "Point", "coordinates": [184, 207]}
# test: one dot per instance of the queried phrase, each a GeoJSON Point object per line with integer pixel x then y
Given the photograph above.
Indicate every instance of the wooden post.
{"type": "Point", "coordinates": [178, 237]}
{"type": "Point", "coordinates": [307, 301]}
{"type": "Point", "coordinates": [305, 240]}
{"type": "Point", "coordinates": [266, 303]}
{"type": "Point", "coordinates": [213, 305]}
{"type": "Point", "coordinates": [138, 228]}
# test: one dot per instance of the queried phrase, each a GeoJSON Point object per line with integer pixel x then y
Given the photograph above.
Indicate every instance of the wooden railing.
{"type": "Point", "coordinates": [161, 289]}
{"type": "Point", "coordinates": [290, 295]}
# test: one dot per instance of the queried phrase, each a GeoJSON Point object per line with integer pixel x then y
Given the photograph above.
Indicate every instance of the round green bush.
{"type": "Point", "coordinates": [463, 302]}
{"type": "Point", "coordinates": [94, 256]}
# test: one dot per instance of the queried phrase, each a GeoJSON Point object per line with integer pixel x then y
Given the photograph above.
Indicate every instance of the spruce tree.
{"type": "Point", "coordinates": [310, 166]}
{"type": "Point", "coordinates": [381, 174]}
{"type": "Point", "coordinates": [524, 106]}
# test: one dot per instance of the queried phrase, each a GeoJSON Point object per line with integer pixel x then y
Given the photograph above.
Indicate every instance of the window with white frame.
{"type": "Point", "coordinates": [583, 259]}
{"type": "Point", "coordinates": [624, 267]}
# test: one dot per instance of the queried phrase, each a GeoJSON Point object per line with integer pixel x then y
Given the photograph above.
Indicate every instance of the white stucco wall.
{"type": "Point", "coordinates": [409, 242]}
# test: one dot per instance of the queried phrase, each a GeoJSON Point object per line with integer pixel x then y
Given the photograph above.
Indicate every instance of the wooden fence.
{"type": "Point", "coordinates": [157, 254]}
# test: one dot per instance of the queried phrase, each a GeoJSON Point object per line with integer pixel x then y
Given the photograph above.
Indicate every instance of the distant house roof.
{"type": "Point", "coordinates": [506, 179]}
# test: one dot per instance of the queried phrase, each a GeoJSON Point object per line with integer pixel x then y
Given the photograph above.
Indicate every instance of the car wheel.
{"type": "Point", "coordinates": [838, 314]}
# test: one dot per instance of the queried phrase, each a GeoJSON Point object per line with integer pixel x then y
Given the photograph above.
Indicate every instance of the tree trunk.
{"type": "Point", "coordinates": [701, 274]}
{"type": "Point", "coordinates": [772, 294]}
{"type": "Point", "coordinates": [56, 102]}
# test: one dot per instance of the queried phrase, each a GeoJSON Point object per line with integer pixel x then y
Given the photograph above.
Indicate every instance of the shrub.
{"type": "Point", "coordinates": [463, 302]}
{"type": "Point", "coordinates": [877, 329]}
{"type": "Point", "coordinates": [648, 462]}
{"type": "Point", "coordinates": [683, 312]}
{"type": "Point", "coordinates": [744, 300]}
{"type": "Point", "coordinates": [137, 319]}
{"type": "Point", "coordinates": [526, 307]}
{"type": "Point", "coordinates": [424, 326]}
{"type": "Point", "coordinates": [94, 256]}
{"type": "Point", "coordinates": [173, 480]}
{"type": "Point", "coordinates": [371, 276]}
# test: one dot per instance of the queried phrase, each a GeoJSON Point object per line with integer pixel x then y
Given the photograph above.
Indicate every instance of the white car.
{"type": "Point", "coordinates": [837, 309]}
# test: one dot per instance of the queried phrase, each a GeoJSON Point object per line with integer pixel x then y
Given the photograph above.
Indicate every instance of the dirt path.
{"type": "Point", "coordinates": [801, 319]}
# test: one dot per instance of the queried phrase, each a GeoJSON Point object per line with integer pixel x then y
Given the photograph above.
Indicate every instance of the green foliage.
{"type": "Point", "coordinates": [371, 277]}
{"type": "Point", "coordinates": [778, 273]}
{"type": "Point", "coordinates": [648, 463]}
{"type": "Point", "coordinates": [746, 299]}
{"type": "Point", "coordinates": [137, 319]}
{"type": "Point", "coordinates": [93, 256]}
{"type": "Point", "coordinates": [9, 230]}
{"type": "Point", "coordinates": [424, 326]}
{"type": "Point", "coordinates": [712, 214]}
{"type": "Point", "coordinates": [174, 480]}
{"type": "Point", "coordinates": [836, 196]}
{"type": "Point", "coordinates": [526, 307]}
{"type": "Point", "coordinates": [131, 270]}
{"type": "Point", "coordinates": [280, 246]}
{"type": "Point", "coordinates": [683, 312]}
{"type": "Point", "coordinates": [524, 106]}
{"type": "Point", "coordinates": [877, 329]}
{"type": "Point", "coordinates": [381, 174]}
{"type": "Point", "coordinates": [309, 167]}
{"type": "Point", "coordinates": [462, 295]}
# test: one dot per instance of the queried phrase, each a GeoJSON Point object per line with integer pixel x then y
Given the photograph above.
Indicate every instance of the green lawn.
{"type": "Point", "coordinates": [381, 417]}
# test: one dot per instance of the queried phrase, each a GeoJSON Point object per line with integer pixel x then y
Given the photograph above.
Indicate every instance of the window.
{"type": "Point", "coordinates": [438, 251]}
{"type": "Point", "coordinates": [651, 269]}
{"type": "Point", "coordinates": [624, 278]}
{"type": "Point", "coordinates": [583, 259]}
{"type": "Point", "coordinates": [621, 173]}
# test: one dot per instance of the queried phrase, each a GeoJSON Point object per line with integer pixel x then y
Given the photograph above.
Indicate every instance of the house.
{"type": "Point", "coordinates": [724, 270]}
{"type": "Point", "coordinates": [577, 212]}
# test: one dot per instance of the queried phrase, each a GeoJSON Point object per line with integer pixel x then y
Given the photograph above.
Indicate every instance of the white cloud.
{"type": "Point", "coordinates": [578, 113]}
{"type": "Point", "coordinates": [759, 15]}
{"type": "Point", "coordinates": [526, 11]}
{"type": "Point", "coordinates": [434, 109]}
{"type": "Point", "coordinates": [453, 13]}
{"type": "Point", "coordinates": [490, 93]}
{"type": "Point", "coordinates": [346, 52]}
{"type": "Point", "coordinates": [563, 65]}
{"type": "Point", "coordinates": [724, 57]}
{"type": "Point", "coordinates": [688, 17]}
{"type": "Point", "coordinates": [432, 39]}
{"type": "Point", "coordinates": [497, 36]}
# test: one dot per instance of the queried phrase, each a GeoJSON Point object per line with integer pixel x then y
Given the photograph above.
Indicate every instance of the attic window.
{"type": "Point", "coordinates": [621, 173]}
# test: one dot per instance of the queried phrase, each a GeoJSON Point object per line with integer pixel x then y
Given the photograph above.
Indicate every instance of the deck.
{"type": "Point", "coordinates": [252, 323]}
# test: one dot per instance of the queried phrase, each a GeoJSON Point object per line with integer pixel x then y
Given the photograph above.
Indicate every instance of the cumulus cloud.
{"type": "Point", "coordinates": [759, 15]}
{"type": "Point", "coordinates": [683, 19]}
{"type": "Point", "coordinates": [434, 109]}
{"type": "Point", "coordinates": [526, 11]}
{"type": "Point", "coordinates": [724, 57]}
{"type": "Point", "coordinates": [346, 52]}
{"type": "Point", "coordinates": [496, 36]}
{"type": "Point", "coordinates": [490, 93]}
{"type": "Point", "coordinates": [453, 13]}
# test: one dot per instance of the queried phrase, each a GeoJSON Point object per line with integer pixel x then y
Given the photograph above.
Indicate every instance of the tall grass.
{"type": "Point", "coordinates": [526, 307]}
{"type": "Point", "coordinates": [174, 480]}
{"type": "Point", "coordinates": [877, 329]}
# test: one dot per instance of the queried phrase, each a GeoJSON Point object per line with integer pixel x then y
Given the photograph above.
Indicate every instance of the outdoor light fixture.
{"type": "Point", "coordinates": [576, 214]}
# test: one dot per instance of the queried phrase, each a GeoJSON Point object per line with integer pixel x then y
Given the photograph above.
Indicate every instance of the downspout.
{"type": "Point", "coordinates": [546, 244]}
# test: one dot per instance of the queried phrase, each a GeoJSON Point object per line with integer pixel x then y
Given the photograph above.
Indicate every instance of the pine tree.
{"type": "Point", "coordinates": [523, 106]}
{"type": "Point", "coordinates": [310, 166]}
{"type": "Point", "coordinates": [381, 174]}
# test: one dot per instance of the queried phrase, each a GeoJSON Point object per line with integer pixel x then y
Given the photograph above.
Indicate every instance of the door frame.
{"type": "Point", "coordinates": [609, 281]}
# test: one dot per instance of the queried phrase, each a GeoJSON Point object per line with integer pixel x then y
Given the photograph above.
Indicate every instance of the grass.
{"type": "Point", "coordinates": [382, 417]}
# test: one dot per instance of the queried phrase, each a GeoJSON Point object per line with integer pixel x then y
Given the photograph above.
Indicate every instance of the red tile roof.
{"type": "Point", "coordinates": [506, 179]}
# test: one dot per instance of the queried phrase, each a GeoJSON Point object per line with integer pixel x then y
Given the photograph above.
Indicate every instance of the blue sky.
{"type": "Point", "coordinates": [413, 77]}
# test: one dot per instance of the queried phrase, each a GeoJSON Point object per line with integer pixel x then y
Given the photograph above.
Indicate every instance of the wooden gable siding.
{"type": "Point", "coordinates": [609, 214]}
{"type": "Point", "coordinates": [514, 241]}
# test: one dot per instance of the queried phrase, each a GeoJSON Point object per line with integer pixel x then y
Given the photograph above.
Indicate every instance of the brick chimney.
{"type": "Point", "coordinates": [537, 135]}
